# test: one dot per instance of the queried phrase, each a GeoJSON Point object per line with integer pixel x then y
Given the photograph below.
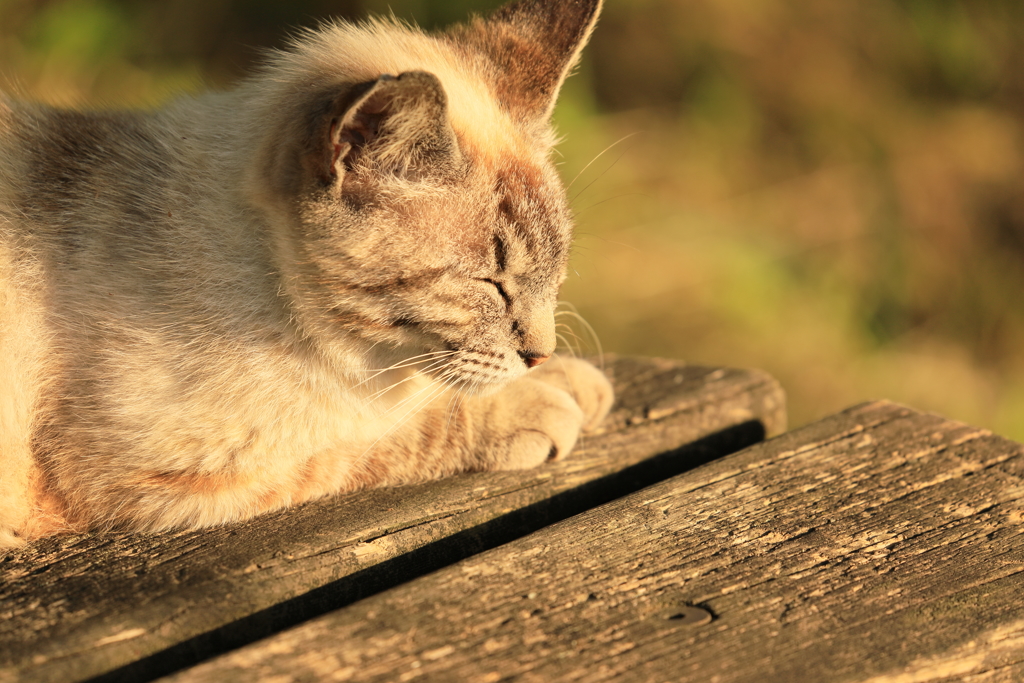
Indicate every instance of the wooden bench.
{"type": "Point", "coordinates": [880, 544]}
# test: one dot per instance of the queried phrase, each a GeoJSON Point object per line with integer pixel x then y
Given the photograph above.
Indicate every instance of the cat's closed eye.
{"type": "Point", "coordinates": [502, 292]}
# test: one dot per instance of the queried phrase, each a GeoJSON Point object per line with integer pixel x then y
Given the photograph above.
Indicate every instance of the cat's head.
{"type": "Point", "coordinates": [423, 212]}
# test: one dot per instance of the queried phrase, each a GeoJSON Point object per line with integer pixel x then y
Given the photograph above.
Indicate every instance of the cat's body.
{"type": "Point", "coordinates": [195, 303]}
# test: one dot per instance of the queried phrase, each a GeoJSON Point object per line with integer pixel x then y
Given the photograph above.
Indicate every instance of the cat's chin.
{"type": "Point", "coordinates": [474, 383]}
{"type": "Point", "coordinates": [474, 387]}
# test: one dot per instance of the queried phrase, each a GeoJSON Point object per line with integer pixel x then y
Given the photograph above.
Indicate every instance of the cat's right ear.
{"type": "Point", "coordinates": [396, 125]}
{"type": "Point", "coordinates": [532, 45]}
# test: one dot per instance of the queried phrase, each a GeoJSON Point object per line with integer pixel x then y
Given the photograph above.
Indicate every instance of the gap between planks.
{"type": "Point", "coordinates": [107, 607]}
{"type": "Point", "coordinates": [892, 554]}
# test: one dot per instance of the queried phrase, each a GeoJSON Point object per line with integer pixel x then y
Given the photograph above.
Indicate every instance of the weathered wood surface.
{"type": "Point", "coordinates": [132, 607]}
{"type": "Point", "coordinates": [876, 545]}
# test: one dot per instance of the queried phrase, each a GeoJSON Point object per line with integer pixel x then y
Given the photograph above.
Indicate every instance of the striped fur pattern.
{"type": "Point", "coordinates": [337, 275]}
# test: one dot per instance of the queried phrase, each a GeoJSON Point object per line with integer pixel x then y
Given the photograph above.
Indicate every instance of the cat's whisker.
{"type": "Point", "coordinates": [571, 311]}
{"type": "Point", "coordinates": [601, 175]}
{"type": "Point", "coordinates": [459, 399]}
{"type": "Point", "coordinates": [398, 365]}
{"type": "Point", "coordinates": [561, 366]}
{"type": "Point", "coordinates": [434, 365]}
{"type": "Point", "coordinates": [433, 391]}
{"type": "Point", "coordinates": [372, 400]}
{"type": "Point", "coordinates": [599, 155]}
{"type": "Point", "coordinates": [430, 390]}
{"type": "Point", "coordinates": [445, 372]}
{"type": "Point", "coordinates": [415, 360]}
{"type": "Point", "coordinates": [567, 306]}
{"type": "Point", "coordinates": [428, 354]}
{"type": "Point", "coordinates": [449, 410]}
{"type": "Point", "coordinates": [567, 329]}
{"type": "Point", "coordinates": [405, 401]}
{"type": "Point", "coordinates": [574, 352]}
{"type": "Point", "coordinates": [446, 380]}
{"type": "Point", "coordinates": [398, 405]}
{"type": "Point", "coordinates": [576, 212]}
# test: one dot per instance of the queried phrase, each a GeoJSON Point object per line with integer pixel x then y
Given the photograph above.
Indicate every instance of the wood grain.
{"type": "Point", "coordinates": [116, 606]}
{"type": "Point", "coordinates": [879, 545]}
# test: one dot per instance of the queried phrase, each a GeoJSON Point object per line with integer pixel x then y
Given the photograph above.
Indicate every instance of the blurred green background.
{"type": "Point", "coordinates": [832, 191]}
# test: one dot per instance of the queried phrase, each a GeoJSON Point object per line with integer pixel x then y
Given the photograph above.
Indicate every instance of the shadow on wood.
{"type": "Point", "coordinates": [436, 555]}
{"type": "Point", "coordinates": [117, 606]}
{"type": "Point", "coordinates": [879, 545]}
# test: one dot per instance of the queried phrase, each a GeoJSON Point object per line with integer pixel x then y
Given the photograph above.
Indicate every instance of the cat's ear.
{"type": "Point", "coordinates": [396, 125]}
{"type": "Point", "coordinates": [533, 45]}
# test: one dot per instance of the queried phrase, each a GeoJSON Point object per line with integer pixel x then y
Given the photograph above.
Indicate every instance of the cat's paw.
{"type": "Point", "coordinates": [586, 384]}
{"type": "Point", "coordinates": [540, 417]}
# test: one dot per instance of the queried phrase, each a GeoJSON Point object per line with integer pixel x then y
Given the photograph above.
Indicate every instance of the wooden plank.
{"type": "Point", "coordinates": [132, 607]}
{"type": "Point", "coordinates": [877, 545]}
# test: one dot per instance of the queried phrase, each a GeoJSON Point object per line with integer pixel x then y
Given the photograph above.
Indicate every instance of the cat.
{"type": "Point", "coordinates": [340, 274]}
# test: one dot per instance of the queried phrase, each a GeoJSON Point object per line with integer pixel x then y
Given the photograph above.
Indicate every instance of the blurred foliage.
{"type": "Point", "coordinates": [831, 191]}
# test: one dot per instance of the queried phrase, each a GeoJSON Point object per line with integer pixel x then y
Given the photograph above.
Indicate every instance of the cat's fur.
{"type": "Point", "coordinates": [194, 302]}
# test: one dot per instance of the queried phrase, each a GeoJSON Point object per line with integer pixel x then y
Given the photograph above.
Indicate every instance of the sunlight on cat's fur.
{"type": "Point", "coordinates": [337, 275]}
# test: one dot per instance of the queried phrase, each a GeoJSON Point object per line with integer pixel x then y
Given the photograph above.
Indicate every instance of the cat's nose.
{"type": "Point", "coordinates": [532, 358]}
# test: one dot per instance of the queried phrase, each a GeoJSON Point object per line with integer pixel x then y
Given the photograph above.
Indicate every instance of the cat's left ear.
{"type": "Point", "coordinates": [396, 125]}
{"type": "Point", "coordinates": [533, 45]}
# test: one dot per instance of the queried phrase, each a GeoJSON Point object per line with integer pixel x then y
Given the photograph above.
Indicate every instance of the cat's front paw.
{"type": "Point", "coordinates": [540, 417]}
{"type": "Point", "coordinates": [587, 385]}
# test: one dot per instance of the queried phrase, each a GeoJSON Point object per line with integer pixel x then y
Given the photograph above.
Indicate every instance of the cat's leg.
{"type": "Point", "coordinates": [536, 418]}
{"type": "Point", "coordinates": [540, 417]}
{"type": "Point", "coordinates": [587, 385]}
{"type": "Point", "coordinates": [431, 433]}
{"type": "Point", "coordinates": [21, 354]}
{"type": "Point", "coordinates": [16, 463]}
